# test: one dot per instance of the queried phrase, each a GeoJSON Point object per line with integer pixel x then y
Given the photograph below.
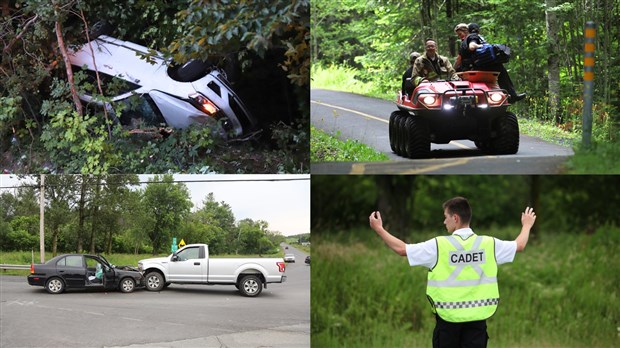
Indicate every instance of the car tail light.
{"type": "Point", "coordinates": [32, 268]}
{"type": "Point", "coordinates": [203, 104]}
{"type": "Point", "coordinates": [281, 266]}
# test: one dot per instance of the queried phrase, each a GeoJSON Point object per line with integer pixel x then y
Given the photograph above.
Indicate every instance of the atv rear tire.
{"type": "Point", "coordinates": [393, 127]}
{"type": "Point", "coordinates": [506, 140]}
{"type": "Point", "coordinates": [418, 138]}
{"type": "Point", "coordinates": [401, 136]}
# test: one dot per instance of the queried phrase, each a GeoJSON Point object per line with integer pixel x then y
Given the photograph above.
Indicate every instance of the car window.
{"type": "Point", "coordinates": [142, 109]}
{"type": "Point", "coordinates": [110, 85]}
{"type": "Point", "coordinates": [189, 254]}
{"type": "Point", "coordinates": [90, 262]}
{"type": "Point", "coordinates": [71, 261]}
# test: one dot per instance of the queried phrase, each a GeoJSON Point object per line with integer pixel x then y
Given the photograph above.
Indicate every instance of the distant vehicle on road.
{"type": "Point", "coordinates": [308, 259]}
{"type": "Point", "coordinates": [192, 265]}
{"type": "Point", "coordinates": [289, 258]}
{"type": "Point", "coordinates": [78, 271]}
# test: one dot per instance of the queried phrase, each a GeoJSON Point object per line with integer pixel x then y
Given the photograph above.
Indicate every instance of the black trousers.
{"type": "Point", "coordinates": [471, 334]}
{"type": "Point", "coordinates": [503, 80]}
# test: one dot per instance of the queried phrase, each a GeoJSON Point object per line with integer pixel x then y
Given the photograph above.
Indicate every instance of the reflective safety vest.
{"type": "Point", "coordinates": [463, 284]}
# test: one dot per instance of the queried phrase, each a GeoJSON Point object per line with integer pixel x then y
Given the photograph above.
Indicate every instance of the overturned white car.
{"type": "Point", "coordinates": [162, 93]}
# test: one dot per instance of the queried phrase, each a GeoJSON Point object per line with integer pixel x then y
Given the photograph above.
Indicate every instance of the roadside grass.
{"type": "Point", "coordinates": [600, 158]}
{"type": "Point", "coordinates": [342, 79]}
{"type": "Point", "coordinates": [327, 148]}
{"type": "Point", "coordinates": [562, 291]}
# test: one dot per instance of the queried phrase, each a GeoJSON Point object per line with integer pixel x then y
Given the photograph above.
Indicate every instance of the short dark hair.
{"type": "Point", "coordinates": [429, 39]}
{"type": "Point", "coordinates": [459, 206]}
{"type": "Point", "coordinates": [473, 28]}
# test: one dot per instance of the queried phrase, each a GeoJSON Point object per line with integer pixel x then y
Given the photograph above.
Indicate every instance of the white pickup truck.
{"type": "Point", "coordinates": [192, 265]}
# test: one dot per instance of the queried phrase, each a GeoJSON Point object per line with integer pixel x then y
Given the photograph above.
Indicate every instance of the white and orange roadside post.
{"type": "Point", "coordinates": [588, 81]}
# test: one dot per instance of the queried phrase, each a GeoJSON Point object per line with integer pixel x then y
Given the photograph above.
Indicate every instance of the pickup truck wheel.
{"type": "Point", "coordinates": [154, 281]}
{"type": "Point", "coordinates": [250, 286]}
{"type": "Point", "coordinates": [127, 285]}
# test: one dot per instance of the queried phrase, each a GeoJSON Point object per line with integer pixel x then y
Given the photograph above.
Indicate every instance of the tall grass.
{"type": "Point", "coordinates": [343, 79]}
{"type": "Point", "coordinates": [563, 291]}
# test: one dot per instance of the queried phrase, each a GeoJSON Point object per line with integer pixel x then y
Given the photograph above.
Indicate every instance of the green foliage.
{"type": "Point", "coordinates": [557, 293]}
{"type": "Point", "coordinates": [42, 133]}
{"type": "Point", "coordinates": [167, 204]}
{"type": "Point", "coordinates": [570, 203]}
{"type": "Point", "coordinates": [212, 27]}
{"type": "Point", "coordinates": [600, 158]}
{"type": "Point", "coordinates": [325, 148]}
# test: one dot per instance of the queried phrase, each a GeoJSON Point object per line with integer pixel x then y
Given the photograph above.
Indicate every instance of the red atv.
{"type": "Point", "coordinates": [441, 111]}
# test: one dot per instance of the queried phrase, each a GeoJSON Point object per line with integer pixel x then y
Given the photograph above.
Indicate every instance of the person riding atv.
{"type": "Point", "coordinates": [475, 109]}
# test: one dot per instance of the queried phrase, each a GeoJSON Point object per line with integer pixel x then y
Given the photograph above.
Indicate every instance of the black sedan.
{"type": "Point", "coordinates": [77, 271]}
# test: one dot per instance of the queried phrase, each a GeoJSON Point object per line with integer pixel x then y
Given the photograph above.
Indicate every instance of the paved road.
{"type": "Point", "coordinates": [366, 120]}
{"type": "Point", "coordinates": [180, 316]}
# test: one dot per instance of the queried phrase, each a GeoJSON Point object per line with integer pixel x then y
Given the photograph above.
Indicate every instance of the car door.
{"type": "Point", "coordinates": [72, 270]}
{"type": "Point", "coordinates": [188, 265]}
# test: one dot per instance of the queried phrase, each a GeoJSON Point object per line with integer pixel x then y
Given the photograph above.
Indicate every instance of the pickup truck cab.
{"type": "Point", "coordinates": [192, 265]}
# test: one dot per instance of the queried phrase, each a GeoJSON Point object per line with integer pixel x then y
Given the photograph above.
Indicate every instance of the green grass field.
{"type": "Point", "coordinates": [562, 291]}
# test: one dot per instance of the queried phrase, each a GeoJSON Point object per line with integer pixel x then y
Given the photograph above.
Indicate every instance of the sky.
{"type": "Point", "coordinates": [285, 205]}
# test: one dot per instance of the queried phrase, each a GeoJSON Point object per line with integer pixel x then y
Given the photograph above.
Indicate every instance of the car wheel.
{"type": "Point", "coordinates": [55, 285]}
{"type": "Point", "coordinates": [127, 285]}
{"type": "Point", "coordinates": [190, 71]}
{"type": "Point", "coordinates": [154, 281]}
{"type": "Point", "coordinates": [482, 145]}
{"type": "Point", "coordinates": [506, 140]}
{"type": "Point", "coordinates": [418, 138]}
{"type": "Point", "coordinates": [250, 286]}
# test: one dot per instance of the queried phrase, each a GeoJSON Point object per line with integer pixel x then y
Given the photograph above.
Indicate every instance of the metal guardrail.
{"type": "Point", "coordinates": [14, 266]}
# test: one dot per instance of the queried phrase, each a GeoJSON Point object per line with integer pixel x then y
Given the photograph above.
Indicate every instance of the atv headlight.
{"type": "Point", "coordinates": [203, 104]}
{"type": "Point", "coordinates": [429, 100]}
{"type": "Point", "coordinates": [496, 97]}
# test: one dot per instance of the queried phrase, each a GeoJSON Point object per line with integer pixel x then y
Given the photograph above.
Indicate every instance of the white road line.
{"type": "Point", "coordinates": [132, 319]}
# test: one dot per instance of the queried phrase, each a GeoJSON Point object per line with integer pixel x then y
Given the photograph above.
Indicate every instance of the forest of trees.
{"type": "Point", "coordinates": [111, 214]}
{"type": "Point", "coordinates": [375, 38]}
{"type": "Point", "coordinates": [262, 45]}
{"type": "Point", "coordinates": [575, 204]}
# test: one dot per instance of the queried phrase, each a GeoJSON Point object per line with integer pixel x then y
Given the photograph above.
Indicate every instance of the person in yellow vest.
{"type": "Point", "coordinates": [462, 279]}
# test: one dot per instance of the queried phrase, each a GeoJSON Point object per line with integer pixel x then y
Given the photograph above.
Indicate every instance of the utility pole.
{"type": "Point", "coordinates": [42, 219]}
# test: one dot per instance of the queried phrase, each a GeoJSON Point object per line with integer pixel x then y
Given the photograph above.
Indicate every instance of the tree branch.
{"type": "Point", "coordinates": [65, 56]}
{"type": "Point", "coordinates": [19, 36]}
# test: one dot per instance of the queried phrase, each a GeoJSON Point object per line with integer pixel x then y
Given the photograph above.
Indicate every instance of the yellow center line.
{"type": "Point", "coordinates": [454, 142]}
{"type": "Point", "coordinates": [352, 111]}
{"type": "Point", "coordinates": [360, 168]}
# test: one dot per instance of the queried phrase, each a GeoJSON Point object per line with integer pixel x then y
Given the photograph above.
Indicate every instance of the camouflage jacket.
{"type": "Point", "coordinates": [424, 68]}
